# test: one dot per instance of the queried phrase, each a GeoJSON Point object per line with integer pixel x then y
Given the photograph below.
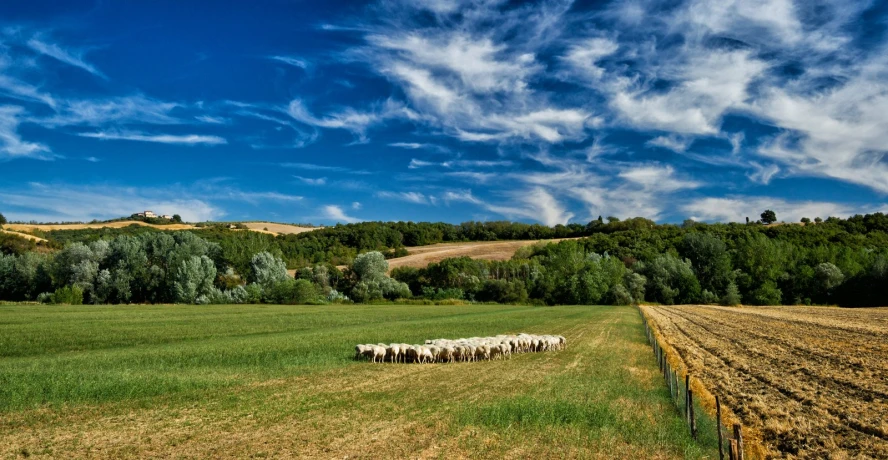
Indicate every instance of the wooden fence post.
{"type": "Point", "coordinates": [718, 426]}
{"type": "Point", "coordinates": [687, 388]}
{"type": "Point", "coordinates": [738, 436]}
{"type": "Point", "coordinates": [675, 385]}
{"type": "Point", "coordinates": [691, 419]}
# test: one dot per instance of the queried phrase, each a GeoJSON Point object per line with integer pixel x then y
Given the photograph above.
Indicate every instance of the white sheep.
{"type": "Point", "coordinates": [378, 353]}
{"type": "Point", "coordinates": [461, 350]}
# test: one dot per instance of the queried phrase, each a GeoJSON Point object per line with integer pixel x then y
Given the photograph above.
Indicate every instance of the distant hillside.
{"type": "Point", "coordinates": [270, 228]}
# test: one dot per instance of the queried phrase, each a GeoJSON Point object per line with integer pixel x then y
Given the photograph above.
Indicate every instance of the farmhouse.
{"type": "Point", "coordinates": [152, 215]}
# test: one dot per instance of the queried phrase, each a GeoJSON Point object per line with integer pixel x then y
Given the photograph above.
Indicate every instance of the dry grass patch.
{"type": "Point", "coordinates": [278, 229]}
{"type": "Point", "coordinates": [422, 256]}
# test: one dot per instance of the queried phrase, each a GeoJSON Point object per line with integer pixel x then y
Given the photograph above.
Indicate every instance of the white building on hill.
{"type": "Point", "coordinates": [152, 215]}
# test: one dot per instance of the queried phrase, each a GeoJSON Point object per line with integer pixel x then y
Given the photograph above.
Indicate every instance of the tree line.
{"type": "Point", "coordinates": [836, 261]}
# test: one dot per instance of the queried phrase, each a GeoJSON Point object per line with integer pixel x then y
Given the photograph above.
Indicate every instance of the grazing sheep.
{"type": "Point", "coordinates": [460, 350]}
{"type": "Point", "coordinates": [394, 352]}
{"type": "Point", "coordinates": [360, 350]}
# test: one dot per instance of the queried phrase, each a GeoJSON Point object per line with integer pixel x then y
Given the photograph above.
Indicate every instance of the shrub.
{"type": "Point", "coordinates": [292, 292]}
{"type": "Point", "coordinates": [68, 295]}
{"type": "Point", "coordinates": [441, 294]}
{"type": "Point", "coordinates": [708, 297]}
{"type": "Point", "coordinates": [767, 294]}
{"type": "Point", "coordinates": [337, 297]}
{"type": "Point", "coordinates": [732, 296]}
{"type": "Point", "coordinates": [635, 286]}
{"type": "Point", "coordinates": [620, 295]}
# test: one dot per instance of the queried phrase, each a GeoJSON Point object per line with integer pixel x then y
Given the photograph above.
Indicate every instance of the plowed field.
{"type": "Point", "coordinates": [804, 381]}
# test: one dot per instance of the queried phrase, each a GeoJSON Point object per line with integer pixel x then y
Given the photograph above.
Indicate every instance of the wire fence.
{"type": "Point", "coordinates": [703, 427]}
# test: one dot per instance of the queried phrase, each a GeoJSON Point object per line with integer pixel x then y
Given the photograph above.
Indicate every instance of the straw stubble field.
{"type": "Point", "coordinates": [281, 381]}
{"type": "Point", "coordinates": [804, 381]}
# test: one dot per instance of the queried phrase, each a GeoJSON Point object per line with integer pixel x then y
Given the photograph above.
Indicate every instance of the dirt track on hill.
{"type": "Point", "coordinates": [808, 382]}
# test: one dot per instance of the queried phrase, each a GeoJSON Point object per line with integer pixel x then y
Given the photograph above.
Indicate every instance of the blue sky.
{"type": "Point", "coordinates": [444, 110]}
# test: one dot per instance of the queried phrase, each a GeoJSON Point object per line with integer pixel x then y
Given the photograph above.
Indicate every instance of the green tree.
{"type": "Point", "coordinates": [194, 278]}
{"type": "Point", "coordinates": [710, 260]}
{"type": "Point", "coordinates": [806, 220]}
{"type": "Point", "coordinates": [177, 218]}
{"type": "Point", "coordinates": [769, 217]}
{"type": "Point", "coordinates": [370, 265]}
{"type": "Point", "coordinates": [760, 261]}
{"type": "Point", "coordinates": [2, 220]}
{"type": "Point", "coordinates": [268, 270]}
{"type": "Point", "coordinates": [672, 280]}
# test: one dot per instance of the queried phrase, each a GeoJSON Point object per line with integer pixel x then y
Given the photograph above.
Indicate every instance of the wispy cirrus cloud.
{"type": "Point", "coordinates": [410, 197]}
{"type": "Point", "coordinates": [181, 139]}
{"type": "Point", "coordinates": [348, 118]}
{"type": "Point", "coordinates": [133, 109]}
{"type": "Point", "coordinates": [312, 180]}
{"type": "Point", "coordinates": [462, 76]}
{"type": "Point", "coordinates": [11, 143]}
{"type": "Point", "coordinates": [330, 168]}
{"type": "Point", "coordinates": [291, 60]}
{"type": "Point", "coordinates": [337, 214]}
{"type": "Point", "coordinates": [416, 164]}
{"type": "Point", "coordinates": [67, 56]}
{"type": "Point", "coordinates": [534, 204]}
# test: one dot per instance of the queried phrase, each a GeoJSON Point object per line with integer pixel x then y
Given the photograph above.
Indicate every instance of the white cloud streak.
{"type": "Point", "coordinates": [186, 139]}
{"type": "Point", "coordinates": [11, 143]}
{"type": "Point", "coordinates": [410, 197]}
{"type": "Point", "coordinates": [73, 58]}
{"type": "Point", "coordinates": [336, 214]}
{"type": "Point", "coordinates": [291, 60]}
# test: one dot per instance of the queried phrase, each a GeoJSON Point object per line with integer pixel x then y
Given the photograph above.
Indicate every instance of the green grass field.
{"type": "Point", "coordinates": [280, 381]}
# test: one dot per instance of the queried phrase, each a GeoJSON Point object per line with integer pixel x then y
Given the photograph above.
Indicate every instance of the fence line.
{"type": "Point", "coordinates": [683, 398]}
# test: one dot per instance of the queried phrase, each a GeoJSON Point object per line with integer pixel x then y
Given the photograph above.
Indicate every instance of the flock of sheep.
{"type": "Point", "coordinates": [446, 350]}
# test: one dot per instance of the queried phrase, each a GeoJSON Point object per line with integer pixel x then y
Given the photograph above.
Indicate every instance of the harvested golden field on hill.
{"type": "Point", "coordinates": [272, 228]}
{"type": "Point", "coordinates": [119, 224]}
{"type": "Point", "coordinates": [23, 235]}
{"type": "Point", "coordinates": [422, 256]}
{"type": "Point", "coordinates": [277, 229]}
{"type": "Point", "coordinates": [807, 382]}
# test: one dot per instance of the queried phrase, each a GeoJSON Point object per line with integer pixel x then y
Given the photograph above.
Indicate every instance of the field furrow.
{"type": "Point", "coordinates": [811, 383]}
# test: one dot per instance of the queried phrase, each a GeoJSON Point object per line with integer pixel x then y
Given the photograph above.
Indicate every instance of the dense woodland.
{"type": "Point", "coordinates": [836, 261]}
